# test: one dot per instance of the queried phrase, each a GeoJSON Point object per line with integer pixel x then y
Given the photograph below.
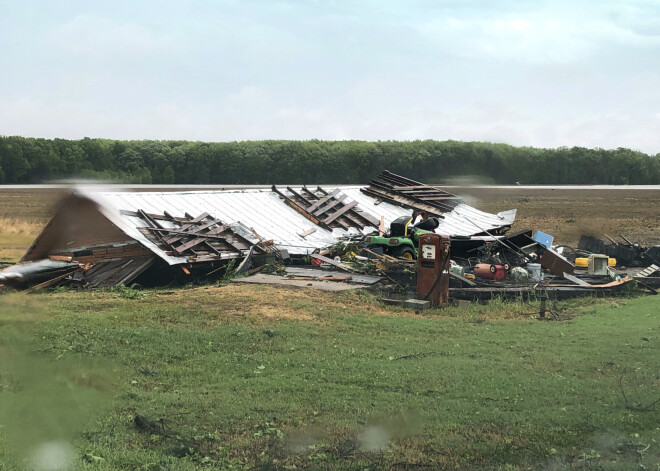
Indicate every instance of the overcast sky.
{"type": "Point", "coordinates": [522, 72]}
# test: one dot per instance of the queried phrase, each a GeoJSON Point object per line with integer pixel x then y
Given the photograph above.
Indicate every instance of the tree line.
{"type": "Point", "coordinates": [34, 160]}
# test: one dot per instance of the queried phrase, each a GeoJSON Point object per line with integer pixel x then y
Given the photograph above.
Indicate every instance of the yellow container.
{"type": "Point", "coordinates": [583, 262]}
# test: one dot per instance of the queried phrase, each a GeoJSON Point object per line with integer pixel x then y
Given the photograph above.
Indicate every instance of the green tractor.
{"type": "Point", "coordinates": [403, 238]}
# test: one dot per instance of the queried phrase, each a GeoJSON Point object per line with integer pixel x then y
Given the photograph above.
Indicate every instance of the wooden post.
{"type": "Point", "coordinates": [542, 307]}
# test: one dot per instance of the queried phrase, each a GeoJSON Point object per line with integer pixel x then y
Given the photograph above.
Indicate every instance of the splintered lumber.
{"type": "Point", "coordinates": [187, 234]}
{"type": "Point", "coordinates": [334, 263]}
{"type": "Point", "coordinates": [307, 232]}
{"type": "Point", "coordinates": [338, 213]}
{"type": "Point", "coordinates": [356, 215]}
{"type": "Point", "coordinates": [330, 205]}
{"type": "Point", "coordinates": [320, 278]}
{"type": "Point", "coordinates": [298, 208]}
{"type": "Point", "coordinates": [576, 280]}
{"type": "Point", "coordinates": [61, 258]}
{"type": "Point", "coordinates": [405, 192]}
{"type": "Point", "coordinates": [189, 245]}
{"type": "Point", "coordinates": [267, 246]}
{"type": "Point", "coordinates": [462, 279]}
{"type": "Point", "coordinates": [650, 270]}
{"type": "Point", "coordinates": [321, 201]}
{"type": "Point", "coordinates": [52, 281]}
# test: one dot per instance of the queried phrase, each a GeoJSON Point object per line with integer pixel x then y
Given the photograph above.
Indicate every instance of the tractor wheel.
{"type": "Point", "coordinates": [404, 252]}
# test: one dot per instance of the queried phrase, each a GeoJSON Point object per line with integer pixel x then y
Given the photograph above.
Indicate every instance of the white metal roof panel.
{"type": "Point", "coordinates": [259, 209]}
{"type": "Point", "coordinates": [463, 220]}
{"type": "Point", "coordinates": [270, 217]}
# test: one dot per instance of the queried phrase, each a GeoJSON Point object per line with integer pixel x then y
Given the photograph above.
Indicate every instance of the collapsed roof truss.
{"type": "Point", "coordinates": [201, 238]}
{"type": "Point", "coordinates": [329, 210]}
{"type": "Point", "coordinates": [405, 192]}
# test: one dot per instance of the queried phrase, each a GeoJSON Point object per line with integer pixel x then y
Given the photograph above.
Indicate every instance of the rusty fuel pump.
{"type": "Point", "coordinates": [433, 269]}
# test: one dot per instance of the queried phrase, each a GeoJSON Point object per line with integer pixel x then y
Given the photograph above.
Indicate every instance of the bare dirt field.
{"type": "Point", "coordinates": [569, 213]}
{"type": "Point", "coordinates": [564, 213]}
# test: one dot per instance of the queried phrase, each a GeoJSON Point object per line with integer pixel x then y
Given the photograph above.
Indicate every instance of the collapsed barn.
{"type": "Point", "coordinates": [100, 239]}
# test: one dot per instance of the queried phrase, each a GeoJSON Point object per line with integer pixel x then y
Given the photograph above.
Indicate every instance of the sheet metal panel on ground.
{"type": "Point", "coordinates": [270, 217]}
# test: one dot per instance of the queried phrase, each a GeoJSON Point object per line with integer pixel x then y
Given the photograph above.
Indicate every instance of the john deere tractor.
{"type": "Point", "coordinates": [403, 238]}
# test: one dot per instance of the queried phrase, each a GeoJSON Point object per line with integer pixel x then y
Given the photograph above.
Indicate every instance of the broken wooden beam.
{"type": "Point", "coordinates": [295, 206]}
{"type": "Point", "coordinates": [334, 263]}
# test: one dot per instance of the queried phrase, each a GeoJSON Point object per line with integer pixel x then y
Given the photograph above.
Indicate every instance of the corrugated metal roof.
{"type": "Point", "coordinates": [463, 220]}
{"type": "Point", "coordinates": [270, 217]}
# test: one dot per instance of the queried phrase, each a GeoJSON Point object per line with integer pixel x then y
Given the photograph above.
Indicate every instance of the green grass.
{"type": "Point", "coordinates": [263, 378]}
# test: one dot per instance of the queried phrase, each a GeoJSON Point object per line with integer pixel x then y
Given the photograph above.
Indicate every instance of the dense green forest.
{"type": "Point", "coordinates": [31, 160]}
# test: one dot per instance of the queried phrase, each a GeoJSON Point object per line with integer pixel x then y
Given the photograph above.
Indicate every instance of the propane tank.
{"type": "Point", "coordinates": [492, 272]}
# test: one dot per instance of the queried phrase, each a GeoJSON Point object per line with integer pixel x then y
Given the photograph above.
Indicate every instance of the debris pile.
{"type": "Point", "coordinates": [626, 254]}
{"type": "Point", "coordinates": [328, 238]}
{"type": "Point", "coordinates": [524, 264]}
{"type": "Point", "coordinates": [200, 239]}
{"type": "Point", "coordinates": [407, 193]}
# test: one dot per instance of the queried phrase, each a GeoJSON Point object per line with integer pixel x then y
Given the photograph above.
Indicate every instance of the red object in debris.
{"type": "Point", "coordinates": [316, 262]}
{"type": "Point", "coordinates": [492, 272]}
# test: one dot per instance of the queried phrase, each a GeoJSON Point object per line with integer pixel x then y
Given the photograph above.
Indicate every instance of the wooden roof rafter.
{"type": "Point", "coordinates": [201, 238]}
{"type": "Point", "coordinates": [405, 192]}
{"type": "Point", "coordinates": [329, 210]}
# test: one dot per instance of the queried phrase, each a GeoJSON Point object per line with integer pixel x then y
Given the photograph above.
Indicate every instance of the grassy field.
{"type": "Point", "coordinates": [245, 377]}
{"type": "Point", "coordinates": [252, 377]}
